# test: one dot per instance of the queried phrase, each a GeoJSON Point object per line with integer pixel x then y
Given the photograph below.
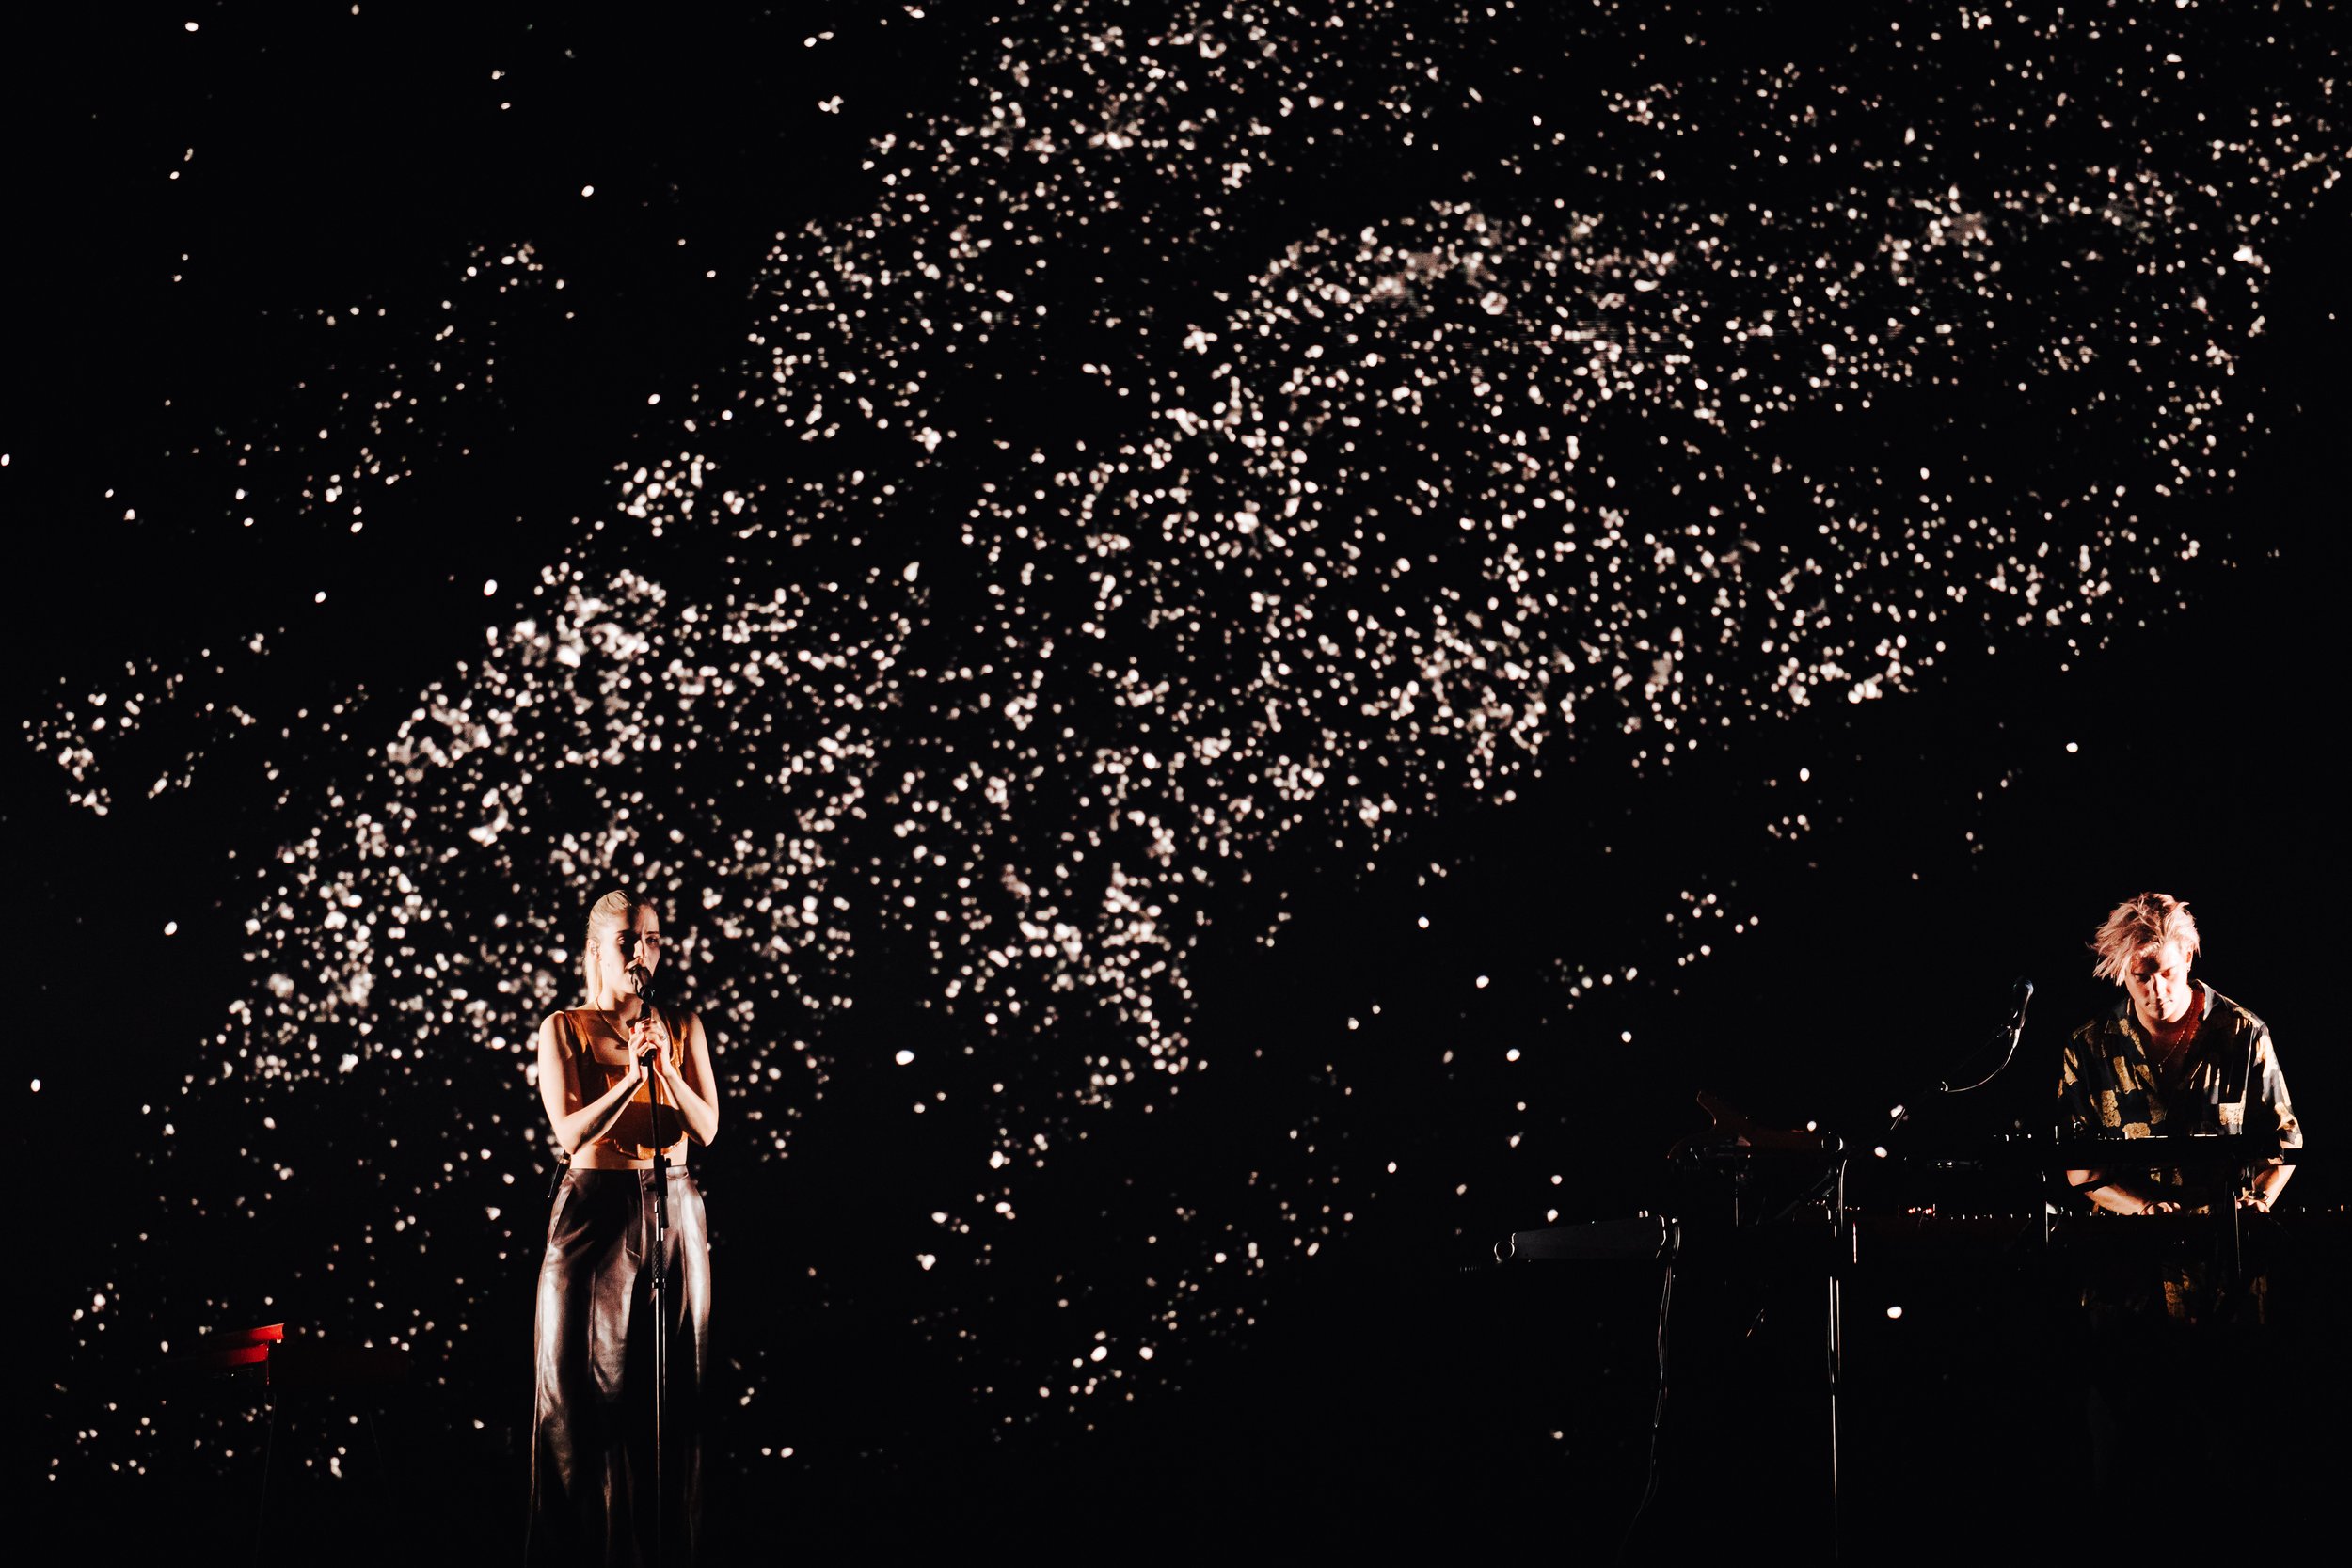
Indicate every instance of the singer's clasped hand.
{"type": "Point", "coordinates": [649, 1049]}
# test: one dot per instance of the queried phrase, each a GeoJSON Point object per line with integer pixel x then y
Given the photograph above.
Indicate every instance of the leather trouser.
{"type": "Point", "coordinates": [592, 1462]}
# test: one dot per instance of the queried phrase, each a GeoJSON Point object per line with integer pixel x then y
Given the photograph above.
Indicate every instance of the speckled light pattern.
{"type": "Point", "coordinates": [1662, 392]}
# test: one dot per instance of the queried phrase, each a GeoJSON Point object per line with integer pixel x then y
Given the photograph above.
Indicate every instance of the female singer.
{"type": "Point", "coordinates": [626, 1085]}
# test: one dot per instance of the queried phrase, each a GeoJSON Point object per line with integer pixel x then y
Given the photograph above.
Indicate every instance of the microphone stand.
{"type": "Point", "coordinates": [1843, 1258]}
{"type": "Point", "coordinates": [1844, 1255]}
{"type": "Point", "coordinates": [660, 1278]}
{"type": "Point", "coordinates": [2015, 1030]}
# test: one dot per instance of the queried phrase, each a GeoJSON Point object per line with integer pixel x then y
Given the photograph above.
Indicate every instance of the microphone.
{"type": "Point", "coordinates": [640, 981]}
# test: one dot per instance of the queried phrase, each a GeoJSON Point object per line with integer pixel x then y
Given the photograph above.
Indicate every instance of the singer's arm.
{"type": "Point", "coordinates": [577, 1124]}
{"type": "Point", "coordinates": [695, 1089]}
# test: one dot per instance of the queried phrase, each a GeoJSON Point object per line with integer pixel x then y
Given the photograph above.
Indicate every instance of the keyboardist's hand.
{"type": "Point", "coordinates": [2160, 1206]}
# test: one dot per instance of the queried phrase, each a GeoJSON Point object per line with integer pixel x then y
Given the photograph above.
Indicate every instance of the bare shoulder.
{"type": "Point", "coordinates": [557, 1025]}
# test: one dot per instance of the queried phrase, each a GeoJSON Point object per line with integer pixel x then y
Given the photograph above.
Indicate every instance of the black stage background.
{"type": "Point", "coordinates": [1385, 1039]}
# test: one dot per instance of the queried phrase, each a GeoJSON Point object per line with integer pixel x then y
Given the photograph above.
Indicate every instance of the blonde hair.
{"type": "Point", "coordinates": [610, 912]}
{"type": "Point", "coordinates": [2139, 922]}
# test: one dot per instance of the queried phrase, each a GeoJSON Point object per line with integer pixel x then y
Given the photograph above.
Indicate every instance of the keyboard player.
{"type": "Point", "coordinates": [2174, 1058]}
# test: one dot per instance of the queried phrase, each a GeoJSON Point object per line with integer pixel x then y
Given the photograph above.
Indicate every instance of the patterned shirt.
{"type": "Point", "coordinates": [2109, 1086]}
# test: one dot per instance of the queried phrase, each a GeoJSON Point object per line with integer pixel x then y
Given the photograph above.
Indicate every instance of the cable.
{"type": "Point", "coordinates": [2016, 1033]}
{"type": "Point", "coordinates": [1658, 1414]}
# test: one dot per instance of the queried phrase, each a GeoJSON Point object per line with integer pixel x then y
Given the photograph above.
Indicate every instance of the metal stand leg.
{"type": "Point", "coordinates": [269, 1446]}
{"type": "Point", "coordinates": [1840, 1243]}
{"type": "Point", "coordinates": [660, 1349]}
{"type": "Point", "coordinates": [387, 1494]}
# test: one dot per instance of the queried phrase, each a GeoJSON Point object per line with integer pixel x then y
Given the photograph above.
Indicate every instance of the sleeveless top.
{"type": "Point", "coordinates": [631, 1134]}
